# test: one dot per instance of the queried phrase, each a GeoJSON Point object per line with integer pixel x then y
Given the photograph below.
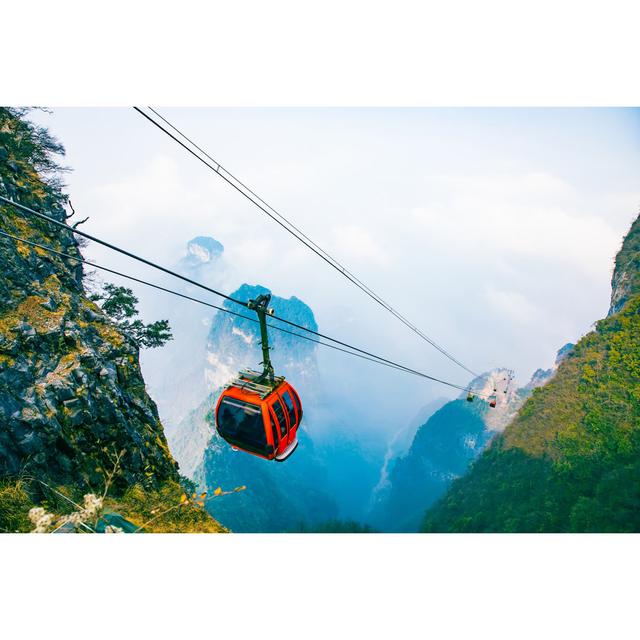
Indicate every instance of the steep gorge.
{"type": "Point", "coordinates": [570, 461]}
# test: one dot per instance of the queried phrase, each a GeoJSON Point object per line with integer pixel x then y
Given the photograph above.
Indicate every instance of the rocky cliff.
{"type": "Point", "coordinates": [626, 274]}
{"type": "Point", "coordinates": [72, 397]}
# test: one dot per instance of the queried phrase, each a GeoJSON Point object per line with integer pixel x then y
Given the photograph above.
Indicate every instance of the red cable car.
{"type": "Point", "coordinates": [259, 412]}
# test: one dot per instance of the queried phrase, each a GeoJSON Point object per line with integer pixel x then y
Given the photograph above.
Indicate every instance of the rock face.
{"type": "Point", "coordinates": [626, 275]}
{"type": "Point", "coordinates": [570, 459]}
{"type": "Point", "coordinates": [234, 343]}
{"type": "Point", "coordinates": [542, 376]}
{"type": "Point", "coordinates": [201, 251]}
{"type": "Point", "coordinates": [71, 393]}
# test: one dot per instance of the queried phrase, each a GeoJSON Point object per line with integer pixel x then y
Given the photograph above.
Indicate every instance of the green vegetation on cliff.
{"type": "Point", "coordinates": [570, 461]}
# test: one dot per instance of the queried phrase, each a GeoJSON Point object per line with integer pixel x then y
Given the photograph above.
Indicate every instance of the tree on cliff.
{"type": "Point", "coordinates": [119, 304]}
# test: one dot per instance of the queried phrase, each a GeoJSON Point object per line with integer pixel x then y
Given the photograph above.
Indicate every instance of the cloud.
{"type": "Point", "coordinates": [480, 226]}
{"type": "Point", "coordinates": [515, 307]}
{"type": "Point", "coordinates": [533, 215]}
{"type": "Point", "coordinates": [358, 245]}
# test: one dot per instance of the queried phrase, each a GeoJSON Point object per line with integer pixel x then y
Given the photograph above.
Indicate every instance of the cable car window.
{"type": "Point", "coordinates": [241, 423]}
{"type": "Point", "coordinates": [278, 410]}
{"type": "Point", "coordinates": [296, 399]}
{"type": "Point", "coordinates": [274, 431]}
{"type": "Point", "coordinates": [286, 396]}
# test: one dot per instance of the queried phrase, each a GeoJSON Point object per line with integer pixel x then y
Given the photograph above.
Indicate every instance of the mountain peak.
{"type": "Point", "coordinates": [203, 249]}
{"type": "Point", "coordinates": [234, 342]}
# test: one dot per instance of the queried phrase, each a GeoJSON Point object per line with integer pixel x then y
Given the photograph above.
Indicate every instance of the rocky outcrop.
{"type": "Point", "coordinates": [201, 251]}
{"type": "Point", "coordinates": [71, 393]}
{"type": "Point", "coordinates": [540, 377]}
{"type": "Point", "coordinates": [625, 282]}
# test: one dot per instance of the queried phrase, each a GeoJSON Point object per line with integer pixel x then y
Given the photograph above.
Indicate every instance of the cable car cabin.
{"type": "Point", "coordinates": [260, 417]}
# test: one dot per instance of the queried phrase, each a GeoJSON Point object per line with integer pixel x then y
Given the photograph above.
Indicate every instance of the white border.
{"type": "Point", "coordinates": [334, 52]}
{"type": "Point", "coordinates": [311, 586]}
{"type": "Point", "coordinates": [319, 53]}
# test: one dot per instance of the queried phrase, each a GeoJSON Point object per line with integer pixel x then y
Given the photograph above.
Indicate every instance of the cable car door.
{"type": "Point", "coordinates": [292, 412]}
{"type": "Point", "coordinates": [279, 414]}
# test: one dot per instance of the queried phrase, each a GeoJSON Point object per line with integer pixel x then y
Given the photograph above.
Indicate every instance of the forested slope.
{"type": "Point", "coordinates": [570, 461]}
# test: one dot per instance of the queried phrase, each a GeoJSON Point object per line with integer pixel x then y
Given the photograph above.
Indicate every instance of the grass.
{"type": "Point", "coordinates": [159, 511]}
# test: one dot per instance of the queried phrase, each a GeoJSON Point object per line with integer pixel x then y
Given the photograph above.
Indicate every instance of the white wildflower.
{"type": "Point", "coordinates": [75, 518]}
{"type": "Point", "coordinates": [35, 514]}
{"type": "Point", "coordinates": [110, 528]}
{"type": "Point", "coordinates": [41, 519]}
{"type": "Point", "coordinates": [92, 505]}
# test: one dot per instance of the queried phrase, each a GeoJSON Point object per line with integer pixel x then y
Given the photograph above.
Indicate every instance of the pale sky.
{"type": "Point", "coordinates": [493, 230]}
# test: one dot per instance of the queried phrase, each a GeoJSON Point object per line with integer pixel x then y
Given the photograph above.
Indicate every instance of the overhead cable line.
{"type": "Point", "coordinates": [182, 295]}
{"type": "Point", "coordinates": [369, 357]}
{"type": "Point", "coordinates": [42, 216]}
{"type": "Point", "coordinates": [104, 243]}
{"type": "Point", "coordinates": [286, 224]}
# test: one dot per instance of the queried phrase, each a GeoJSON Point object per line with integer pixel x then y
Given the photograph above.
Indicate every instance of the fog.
{"type": "Point", "coordinates": [493, 230]}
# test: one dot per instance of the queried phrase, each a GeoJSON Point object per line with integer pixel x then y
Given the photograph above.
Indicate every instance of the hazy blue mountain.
{"type": "Point", "coordinates": [335, 467]}
{"type": "Point", "coordinates": [446, 444]}
{"type": "Point", "coordinates": [233, 342]}
{"type": "Point", "coordinates": [279, 497]}
{"type": "Point", "coordinates": [202, 251]}
{"type": "Point", "coordinates": [175, 373]}
{"type": "Point", "coordinates": [397, 449]}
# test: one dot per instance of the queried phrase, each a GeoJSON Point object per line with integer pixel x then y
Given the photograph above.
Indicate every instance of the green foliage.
{"type": "Point", "coordinates": [15, 503]}
{"type": "Point", "coordinates": [161, 511]}
{"type": "Point", "coordinates": [120, 305]}
{"type": "Point", "coordinates": [148, 511]}
{"type": "Point", "coordinates": [188, 485]}
{"type": "Point", "coordinates": [571, 459]}
{"type": "Point", "coordinates": [27, 143]}
{"type": "Point", "coordinates": [155, 334]}
{"type": "Point", "coordinates": [117, 302]}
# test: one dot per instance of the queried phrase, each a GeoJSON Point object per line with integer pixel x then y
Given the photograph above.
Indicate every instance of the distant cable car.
{"type": "Point", "coordinates": [469, 397]}
{"type": "Point", "coordinates": [260, 412]}
{"type": "Point", "coordinates": [492, 401]}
